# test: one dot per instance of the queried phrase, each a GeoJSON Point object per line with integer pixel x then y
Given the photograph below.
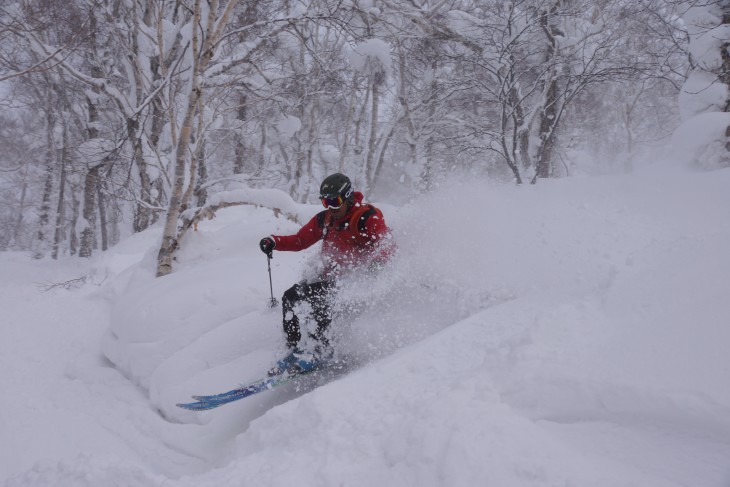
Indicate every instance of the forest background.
{"type": "Point", "coordinates": [118, 114]}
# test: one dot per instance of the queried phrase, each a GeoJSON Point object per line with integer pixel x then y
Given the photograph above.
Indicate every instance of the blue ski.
{"type": "Point", "coordinates": [205, 403]}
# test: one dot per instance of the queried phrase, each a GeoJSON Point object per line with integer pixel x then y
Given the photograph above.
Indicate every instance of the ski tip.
{"type": "Point", "coordinates": [195, 406]}
{"type": "Point", "coordinates": [185, 406]}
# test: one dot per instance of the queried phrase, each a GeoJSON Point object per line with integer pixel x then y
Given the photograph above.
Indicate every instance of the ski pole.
{"type": "Point", "coordinates": [273, 303]}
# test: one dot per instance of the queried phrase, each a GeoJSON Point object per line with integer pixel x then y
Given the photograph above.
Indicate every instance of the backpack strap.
{"type": "Point", "coordinates": [324, 221]}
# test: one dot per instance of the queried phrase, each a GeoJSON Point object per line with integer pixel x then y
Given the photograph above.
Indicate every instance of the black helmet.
{"type": "Point", "coordinates": [334, 186]}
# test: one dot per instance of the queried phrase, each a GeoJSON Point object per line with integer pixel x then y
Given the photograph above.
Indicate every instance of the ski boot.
{"type": "Point", "coordinates": [296, 362]}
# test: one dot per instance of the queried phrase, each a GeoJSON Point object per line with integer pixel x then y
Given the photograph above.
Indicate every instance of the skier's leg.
{"type": "Point", "coordinates": [320, 297]}
{"type": "Point", "coordinates": [291, 322]}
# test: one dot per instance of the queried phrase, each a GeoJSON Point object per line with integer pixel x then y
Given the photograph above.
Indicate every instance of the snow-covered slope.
{"type": "Point", "coordinates": [568, 333]}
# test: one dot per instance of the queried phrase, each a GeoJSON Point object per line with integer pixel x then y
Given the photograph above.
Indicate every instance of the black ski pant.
{"type": "Point", "coordinates": [318, 295]}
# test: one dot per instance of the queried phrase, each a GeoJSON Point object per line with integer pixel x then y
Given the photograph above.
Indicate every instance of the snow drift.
{"type": "Point", "coordinates": [568, 333]}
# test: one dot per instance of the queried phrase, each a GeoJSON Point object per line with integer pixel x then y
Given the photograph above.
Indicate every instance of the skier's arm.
{"type": "Point", "coordinates": [307, 236]}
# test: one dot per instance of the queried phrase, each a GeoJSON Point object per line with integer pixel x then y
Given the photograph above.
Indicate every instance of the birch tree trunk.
{"type": "Point", "coordinates": [548, 126]}
{"type": "Point", "coordinates": [73, 238]}
{"type": "Point", "coordinates": [60, 208]}
{"type": "Point", "coordinates": [211, 30]}
{"type": "Point", "coordinates": [348, 121]}
{"type": "Point", "coordinates": [372, 139]}
{"type": "Point", "coordinates": [240, 150]}
{"type": "Point", "coordinates": [45, 210]}
{"type": "Point", "coordinates": [549, 109]}
{"type": "Point", "coordinates": [88, 234]}
{"type": "Point", "coordinates": [201, 193]}
{"type": "Point", "coordinates": [91, 182]}
{"type": "Point", "coordinates": [403, 100]}
{"type": "Point", "coordinates": [103, 232]}
{"type": "Point", "coordinates": [428, 164]}
{"type": "Point", "coordinates": [19, 219]}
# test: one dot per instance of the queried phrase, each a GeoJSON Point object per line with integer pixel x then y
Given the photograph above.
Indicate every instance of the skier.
{"type": "Point", "coordinates": [354, 239]}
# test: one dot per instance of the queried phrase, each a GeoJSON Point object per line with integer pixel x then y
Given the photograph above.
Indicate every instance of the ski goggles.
{"type": "Point", "coordinates": [332, 202]}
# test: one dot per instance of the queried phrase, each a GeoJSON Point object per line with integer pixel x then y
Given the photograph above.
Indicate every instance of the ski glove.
{"type": "Point", "coordinates": [267, 245]}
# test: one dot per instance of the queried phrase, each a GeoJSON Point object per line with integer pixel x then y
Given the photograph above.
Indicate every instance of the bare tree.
{"type": "Point", "coordinates": [206, 35]}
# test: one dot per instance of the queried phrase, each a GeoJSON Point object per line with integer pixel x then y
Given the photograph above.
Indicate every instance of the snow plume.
{"type": "Point", "coordinates": [425, 288]}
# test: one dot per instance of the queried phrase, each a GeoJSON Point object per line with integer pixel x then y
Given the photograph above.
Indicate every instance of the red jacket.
{"type": "Point", "coordinates": [346, 243]}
